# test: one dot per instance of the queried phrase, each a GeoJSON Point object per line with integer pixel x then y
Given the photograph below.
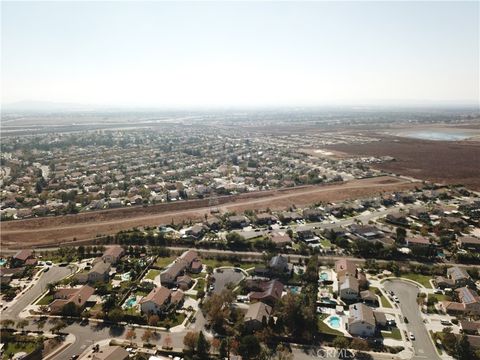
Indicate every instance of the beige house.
{"type": "Point", "coordinates": [77, 296]}
{"type": "Point", "coordinates": [361, 321]}
{"type": "Point", "coordinates": [156, 301]}
{"type": "Point", "coordinates": [113, 254]}
{"type": "Point", "coordinates": [111, 353]}
{"type": "Point", "coordinates": [256, 314]}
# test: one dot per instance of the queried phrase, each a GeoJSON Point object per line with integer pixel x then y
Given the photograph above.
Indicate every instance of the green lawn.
{"type": "Point", "coordinates": [217, 263]}
{"type": "Point", "coordinates": [383, 299]}
{"type": "Point", "coordinates": [441, 297]}
{"type": "Point", "coordinates": [163, 262]}
{"type": "Point", "coordinates": [394, 334]}
{"type": "Point", "coordinates": [324, 328]}
{"type": "Point", "coordinates": [16, 347]}
{"type": "Point", "coordinates": [200, 284]}
{"type": "Point", "coordinates": [173, 320]}
{"type": "Point", "coordinates": [152, 274]}
{"type": "Point", "coordinates": [325, 243]}
{"type": "Point", "coordinates": [422, 279]}
{"type": "Point", "coordinates": [47, 299]}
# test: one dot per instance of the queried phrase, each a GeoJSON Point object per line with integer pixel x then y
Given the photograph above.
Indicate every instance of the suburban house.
{"type": "Point", "coordinates": [348, 288]}
{"type": "Point", "coordinates": [366, 232]}
{"type": "Point", "coordinates": [184, 282]}
{"type": "Point", "coordinates": [266, 219]}
{"type": "Point", "coordinates": [469, 302]}
{"type": "Point", "coordinates": [196, 231]}
{"type": "Point", "coordinates": [344, 267]}
{"type": "Point", "coordinates": [156, 301]}
{"type": "Point", "coordinates": [305, 233]}
{"type": "Point", "coordinates": [99, 272]}
{"type": "Point", "coordinates": [238, 221]}
{"type": "Point", "coordinates": [188, 261]}
{"type": "Point", "coordinates": [113, 254]}
{"type": "Point", "coordinates": [369, 297]}
{"type": "Point", "coordinates": [23, 257]}
{"type": "Point", "coordinates": [268, 291]}
{"type": "Point", "coordinates": [418, 241]}
{"type": "Point", "coordinates": [279, 264]}
{"type": "Point", "coordinates": [469, 242]}
{"type": "Point", "coordinates": [77, 296]}
{"type": "Point", "coordinates": [456, 277]}
{"type": "Point", "coordinates": [313, 214]}
{"type": "Point", "coordinates": [169, 275]}
{"type": "Point", "coordinates": [363, 321]}
{"type": "Point", "coordinates": [280, 239]}
{"type": "Point", "coordinates": [257, 314]}
{"type": "Point", "coordinates": [110, 353]}
{"type": "Point", "coordinates": [469, 327]}
{"type": "Point", "coordinates": [397, 219]}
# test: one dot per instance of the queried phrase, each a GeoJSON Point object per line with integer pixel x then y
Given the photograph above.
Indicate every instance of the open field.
{"type": "Point", "coordinates": [84, 226]}
{"type": "Point", "coordinates": [445, 162]}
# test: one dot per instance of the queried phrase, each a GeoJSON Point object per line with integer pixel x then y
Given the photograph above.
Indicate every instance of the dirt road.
{"type": "Point", "coordinates": [58, 230]}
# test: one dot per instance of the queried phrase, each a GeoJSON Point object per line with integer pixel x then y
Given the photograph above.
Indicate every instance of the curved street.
{"type": "Point", "coordinates": [407, 294]}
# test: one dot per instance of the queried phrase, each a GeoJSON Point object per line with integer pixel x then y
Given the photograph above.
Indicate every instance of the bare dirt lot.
{"type": "Point", "coordinates": [445, 162]}
{"type": "Point", "coordinates": [58, 230]}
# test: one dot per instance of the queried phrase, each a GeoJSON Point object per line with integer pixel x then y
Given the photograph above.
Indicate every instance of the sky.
{"type": "Point", "coordinates": [164, 54]}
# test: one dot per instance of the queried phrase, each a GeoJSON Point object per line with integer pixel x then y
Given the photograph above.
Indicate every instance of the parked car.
{"type": "Point", "coordinates": [412, 337]}
{"type": "Point", "coordinates": [446, 323]}
{"type": "Point", "coordinates": [438, 291]}
{"type": "Point", "coordinates": [396, 299]}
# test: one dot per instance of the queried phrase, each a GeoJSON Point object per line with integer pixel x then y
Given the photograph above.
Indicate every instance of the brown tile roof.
{"type": "Point", "coordinates": [115, 251]}
{"type": "Point", "coordinates": [23, 254]}
{"type": "Point", "coordinates": [158, 295]}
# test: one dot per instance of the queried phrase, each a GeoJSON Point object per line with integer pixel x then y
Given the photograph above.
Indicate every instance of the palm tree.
{"type": "Point", "coordinates": [7, 323]}
{"type": "Point", "coordinates": [22, 324]}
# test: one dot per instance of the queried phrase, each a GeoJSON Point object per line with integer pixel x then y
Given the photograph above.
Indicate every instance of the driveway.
{"type": "Point", "coordinates": [55, 273]}
{"type": "Point", "coordinates": [407, 294]}
{"type": "Point", "coordinates": [225, 277]}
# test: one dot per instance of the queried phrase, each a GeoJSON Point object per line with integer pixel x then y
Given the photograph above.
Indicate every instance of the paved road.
{"type": "Point", "coordinates": [54, 274]}
{"type": "Point", "coordinates": [407, 294]}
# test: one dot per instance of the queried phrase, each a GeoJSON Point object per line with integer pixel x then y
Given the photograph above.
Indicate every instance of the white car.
{"type": "Point", "coordinates": [412, 337]}
{"type": "Point", "coordinates": [396, 299]}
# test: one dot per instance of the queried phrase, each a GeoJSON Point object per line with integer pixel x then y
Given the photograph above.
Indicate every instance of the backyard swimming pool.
{"type": "Point", "coordinates": [323, 276]}
{"type": "Point", "coordinates": [130, 302]}
{"type": "Point", "coordinates": [334, 321]}
{"type": "Point", "coordinates": [2, 262]}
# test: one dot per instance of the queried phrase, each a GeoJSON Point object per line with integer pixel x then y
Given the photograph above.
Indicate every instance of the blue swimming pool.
{"type": "Point", "coordinates": [130, 302]}
{"type": "Point", "coordinates": [324, 276]}
{"type": "Point", "coordinates": [334, 321]}
{"type": "Point", "coordinates": [2, 262]}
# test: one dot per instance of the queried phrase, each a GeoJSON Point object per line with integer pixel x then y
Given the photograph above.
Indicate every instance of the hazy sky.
{"type": "Point", "coordinates": [251, 53]}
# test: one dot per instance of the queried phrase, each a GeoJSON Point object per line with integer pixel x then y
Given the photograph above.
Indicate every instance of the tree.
{"type": "Point", "coordinates": [401, 235]}
{"type": "Point", "coordinates": [190, 340]}
{"type": "Point", "coordinates": [21, 324]}
{"type": "Point", "coordinates": [249, 347]}
{"type": "Point", "coordinates": [223, 350]}
{"type": "Point", "coordinates": [215, 344]}
{"type": "Point", "coordinates": [462, 349]}
{"type": "Point", "coordinates": [115, 315]}
{"type": "Point", "coordinates": [153, 320]}
{"type": "Point", "coordinates": [58, 326]}
{"type": "Point", "coordinates": [131, 335]}
{"type": "Point", "coordinates": [7, 323]}
{"type": "Point", "coordinates": [341, 342]}
{"type": "Point", "coordinates": [283, 353]}
{"type": "Point", "coordinates": [147, 335]}
{"type": "Point", "coordinates": [70, 309]}
{"type": "Point", "coordinates": [203, 347]}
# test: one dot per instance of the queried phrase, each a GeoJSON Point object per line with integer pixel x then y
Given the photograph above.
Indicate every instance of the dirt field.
{"type": "Point", "coordinates": [445, 162]}
{"type": "Point", "coordinates": [58, 230]}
